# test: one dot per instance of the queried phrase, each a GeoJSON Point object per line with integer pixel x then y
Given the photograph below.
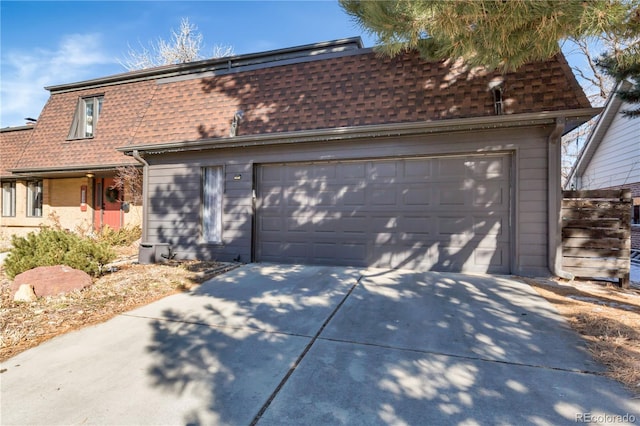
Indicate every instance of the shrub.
{"type": "Point", "coordinates": [121, 237]}
{"type": "Point", "coordinates": [51, 247]}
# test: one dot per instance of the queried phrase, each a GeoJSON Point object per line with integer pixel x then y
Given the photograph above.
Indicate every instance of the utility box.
{"type": "Point", "coordinates": [153, 253]}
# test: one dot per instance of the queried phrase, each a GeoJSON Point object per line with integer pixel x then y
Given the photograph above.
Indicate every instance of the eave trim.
{"type": "Point", "coordinates": [372, 131]}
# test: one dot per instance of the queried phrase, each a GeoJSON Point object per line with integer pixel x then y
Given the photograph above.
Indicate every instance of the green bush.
{"type": "Point", "coordinates": [51, 247]}
{"type": "Point", "coordinates": [121, 237]}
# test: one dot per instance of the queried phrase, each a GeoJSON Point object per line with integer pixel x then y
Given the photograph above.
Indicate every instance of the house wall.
{"type": "Point", "coordinates": [616, 164]}
{"type": "Point", "coordinates": [616, 161]}
{"type": "Point", "coordinates": [20, 225]}
{"type": "Point", "coordinates": [174, 188]}
{"type": "Point", "coordinates": [61, 207]}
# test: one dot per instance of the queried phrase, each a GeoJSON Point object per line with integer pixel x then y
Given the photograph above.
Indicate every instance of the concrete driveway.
{"type": "Point", "coordinates": [273, 345]}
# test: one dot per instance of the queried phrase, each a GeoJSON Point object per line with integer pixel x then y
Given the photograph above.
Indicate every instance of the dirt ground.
{"type": "Point", "coordinates": [606, 316]}
{"type": "Point", "coordinates": [25, 325]}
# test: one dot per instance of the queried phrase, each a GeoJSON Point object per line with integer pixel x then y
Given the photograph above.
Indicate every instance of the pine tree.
{"type": "Point", "coordinates": [490, 33]}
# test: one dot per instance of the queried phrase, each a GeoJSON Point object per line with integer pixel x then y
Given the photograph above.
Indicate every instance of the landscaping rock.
{"type": "Point", "coordinates": [52, 280]}
{"type": "Point", "coordinates": [25, 293]}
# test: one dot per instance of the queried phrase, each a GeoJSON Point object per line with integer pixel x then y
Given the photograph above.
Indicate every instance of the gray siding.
{"type": "Point", "coordinates": [175, 189]}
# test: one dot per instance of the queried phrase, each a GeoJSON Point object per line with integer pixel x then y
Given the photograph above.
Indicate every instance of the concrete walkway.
{"type": "Point", "coordinates": [274, 345]}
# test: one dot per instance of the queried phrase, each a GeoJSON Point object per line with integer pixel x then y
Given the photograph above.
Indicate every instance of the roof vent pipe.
{"type": "Point", "coordinates": [237, 117]}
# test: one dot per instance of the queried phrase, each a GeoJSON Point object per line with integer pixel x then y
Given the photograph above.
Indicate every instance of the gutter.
{"type": "Point", "coordinates": [572, 118]}
{"type": "Point", "coordinates": [145, 183]}
{"type": "Point", "coordinates": [554, 201]}
{"type": "Point", "coordinates": [64, 171]}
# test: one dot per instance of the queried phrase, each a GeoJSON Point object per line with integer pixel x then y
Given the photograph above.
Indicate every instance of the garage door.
{"type": "Point", "coordinates": [441, 213]}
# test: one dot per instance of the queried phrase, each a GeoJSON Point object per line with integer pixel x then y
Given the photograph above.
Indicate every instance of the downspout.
{"type": "Point", "coordinates": [145, 180]}
{"type": "Point", "coordinates": [554, 186]}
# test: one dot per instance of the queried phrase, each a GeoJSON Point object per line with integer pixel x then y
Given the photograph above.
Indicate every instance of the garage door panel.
{"type": "Point", "coordinates": [420, 169]}
{"type": "Point", "coordinates": [350, 171]}
{"type": "Point", "coordinates": [353, 197]}
{"type": "Point", "coordinates": [452, 167]}
{"type": "Point", "coordinates": [486, 168]}
{"type": "Point", "coordinates": [383, 196]}
{"type": "Point", "coordinates": [354, 224]}
{"type": "Point", "coordinates": [451, 195]}
{"type": "Point", "coordinates": [417, 196]}
{"type": "Point", "coordinates": [487, 257]}
{"type": "Point", "coordinates": [447, 214]}
{"type": "Point", "coordinates": [454, 225]}
{"type": "Point", "coordinates": [325, 172]}
{"type": "Point", "coordinates": [490, 226]}
{"type": "Point", "coordinates": [381, 170]}
{"type": "Point", "coordinates": [268, 224]}
{"type": "Point", "coordinates": [353, 253]}
{"type": "Point", "coordinates": [489, 194]}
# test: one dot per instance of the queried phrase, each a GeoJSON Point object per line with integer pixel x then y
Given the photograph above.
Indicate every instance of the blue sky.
{"type": "Point", "coordinates": [54, 42]}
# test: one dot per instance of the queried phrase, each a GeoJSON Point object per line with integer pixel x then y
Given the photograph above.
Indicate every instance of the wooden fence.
{"type": "Point", "coordinates": [596, 234]}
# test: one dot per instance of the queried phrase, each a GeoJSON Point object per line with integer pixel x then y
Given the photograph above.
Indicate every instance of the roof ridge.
{"type": "Point", "coordinates": [313, 51]}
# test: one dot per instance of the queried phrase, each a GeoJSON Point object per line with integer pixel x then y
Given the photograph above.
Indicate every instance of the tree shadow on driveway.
{"type": "Point", "coordinates": [306, 345]}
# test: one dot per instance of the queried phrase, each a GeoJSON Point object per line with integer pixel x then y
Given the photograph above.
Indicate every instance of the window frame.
{"type": "Point", "coordinates": [80, 124]}
{"type": "Point", "coordinates": [212, 205]}
{"type": "Point", "coordinates": [11, 184]}
{"type": "Point", "coordinates": [35, 202]}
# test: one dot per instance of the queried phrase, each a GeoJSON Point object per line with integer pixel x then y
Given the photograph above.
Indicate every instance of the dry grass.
{"type": "Point", "coordinates": [25, 325]}
{"type": "Point", "coordinates": [607, 317]}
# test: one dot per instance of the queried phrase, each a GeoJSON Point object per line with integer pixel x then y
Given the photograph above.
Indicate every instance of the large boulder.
{"type": "Point", "coordinates": [52, 280]}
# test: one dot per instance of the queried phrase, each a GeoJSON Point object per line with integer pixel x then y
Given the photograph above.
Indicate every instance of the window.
{"type": "Point", "coordinates": [34, 198]}
{"type": "Point", "coordinates": [635, 213]}
{"type": "Point", "coordinates": [86, 118]}
{"type": "Point", "coordinates": [9, 198]}
{"type": "Point", "coordinates": [212, 205]}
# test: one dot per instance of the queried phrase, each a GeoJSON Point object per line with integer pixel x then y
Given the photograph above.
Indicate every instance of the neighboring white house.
{"type": "Point", "coordinates": [610, 158]}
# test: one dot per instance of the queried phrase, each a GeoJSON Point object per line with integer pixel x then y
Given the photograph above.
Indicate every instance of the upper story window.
{"type": "Point", "coordinates": [86, 118]}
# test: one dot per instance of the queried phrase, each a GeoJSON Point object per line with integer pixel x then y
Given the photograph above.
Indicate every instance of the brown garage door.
{"type": "Point", "coordinates": [441, 213]}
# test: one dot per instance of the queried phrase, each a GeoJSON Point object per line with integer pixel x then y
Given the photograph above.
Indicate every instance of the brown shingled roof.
{"type": "Point", "coordinates": [327, 91]}
{"type": "Point", "coordinates": [123, 108]}
{"type": "Point", "coordinates": [12, 142]}
{"type": "Point", "coordinates": [355, 90]}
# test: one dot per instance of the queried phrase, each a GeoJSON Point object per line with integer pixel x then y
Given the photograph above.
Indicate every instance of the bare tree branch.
{"type": "Point", "coordinates": [184, 46]}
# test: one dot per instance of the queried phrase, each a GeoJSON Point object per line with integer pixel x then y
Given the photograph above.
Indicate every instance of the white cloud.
{"type": "Point", "coordinates": [26, 73]}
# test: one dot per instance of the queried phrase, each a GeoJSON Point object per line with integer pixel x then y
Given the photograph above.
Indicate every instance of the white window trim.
{"type": "Point", "coordinates": [212, 197]}
{"type": "Point", "coordinates": [79, 126]}
{"type": "Point", "coordinates": [34, 199]}
{"type": "Point", "coordinates": [9, 198]}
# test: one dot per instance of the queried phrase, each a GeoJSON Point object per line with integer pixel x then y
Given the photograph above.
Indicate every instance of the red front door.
{"type": "Point", "coordinates": [108, 204]}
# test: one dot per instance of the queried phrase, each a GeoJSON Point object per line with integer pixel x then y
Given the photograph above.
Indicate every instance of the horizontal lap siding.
{"type": "Point", "coordinates": [532, 208]}
{"type": "Point", "coordinates": [615, 162]}
{"type": "Point", "coordinates": [178, 221]}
